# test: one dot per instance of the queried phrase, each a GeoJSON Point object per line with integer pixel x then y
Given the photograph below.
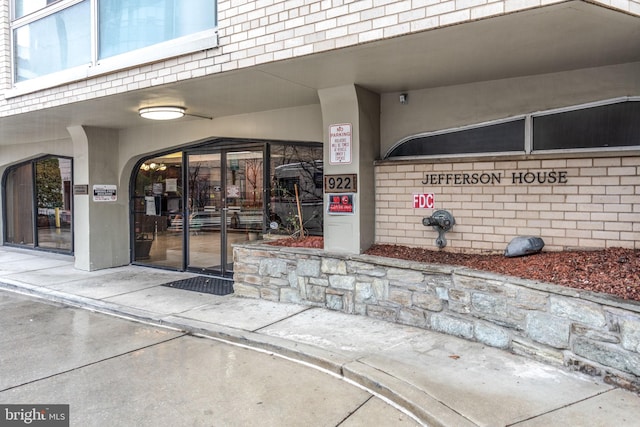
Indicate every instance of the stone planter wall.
{"type": "Point", "coordinates": [580, 330]}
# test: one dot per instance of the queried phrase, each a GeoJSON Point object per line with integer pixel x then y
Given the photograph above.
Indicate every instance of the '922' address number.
{"type": "Point", "coordinates": [346, 183]}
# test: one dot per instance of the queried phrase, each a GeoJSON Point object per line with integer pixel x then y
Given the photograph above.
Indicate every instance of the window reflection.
{"type": "Point", "coordinates": [135, 24]}
{"type": "Point", "coordinates": [158, 211]}
{"type": "Point", "coordinates": [51, 39]}
{"type": "Point", "coordinates": [190, 207]}
{"type": "Point", "coordinates": [53, 196]}
{"type": "Point", "coordinates": [296, 166]}
{"type": "Point", "coordinates": [54, 43]}
{"type": "Point", "coordinates": [19, 205]}
{"type": "Point", "coordinates": [38, 199]}
{"type": "Point", "coordinates": [25, 7]}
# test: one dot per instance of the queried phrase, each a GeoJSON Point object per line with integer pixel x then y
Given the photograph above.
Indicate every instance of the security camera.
{"type": "Point", "coordinates": [404, 98]}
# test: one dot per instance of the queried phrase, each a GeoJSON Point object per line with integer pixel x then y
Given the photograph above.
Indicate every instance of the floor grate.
{"type": "Point", "coordinates": [204, 284]}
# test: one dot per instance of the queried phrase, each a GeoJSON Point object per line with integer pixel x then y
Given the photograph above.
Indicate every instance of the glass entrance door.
{"type": "Point", "coordinates": [225, 205]}
{"type": "Point", "coordinates": [189, 207]}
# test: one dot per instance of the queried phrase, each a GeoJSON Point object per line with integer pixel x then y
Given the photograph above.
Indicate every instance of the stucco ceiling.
{"type": "Point", "coordinates": [555, 38]}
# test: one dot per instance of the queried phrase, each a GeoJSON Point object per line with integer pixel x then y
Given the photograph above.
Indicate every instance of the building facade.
{"type": "Point", "coordinates": [517, 117]}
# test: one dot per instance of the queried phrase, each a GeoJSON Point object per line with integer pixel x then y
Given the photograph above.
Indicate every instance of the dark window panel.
{"type": "Point", "coordinates": [502, 137]}
{"type": "Point", "coordinates": [614, 125]}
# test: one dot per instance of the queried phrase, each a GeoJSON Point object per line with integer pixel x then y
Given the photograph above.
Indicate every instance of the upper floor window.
{"type": "Point", "coordinates": [55, 42]}
{"type": "Point", "coordinates": [83, 38]}
{"type": "Point", "coordinates": [129, 25]}
{"type": "Point", "coordinates": [25, 7]}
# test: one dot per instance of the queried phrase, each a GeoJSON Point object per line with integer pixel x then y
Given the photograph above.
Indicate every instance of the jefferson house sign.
{"type": "Point", "coordinates": [494, 178]}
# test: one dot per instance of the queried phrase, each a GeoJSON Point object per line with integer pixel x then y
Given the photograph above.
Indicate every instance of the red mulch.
{"type": "Point", "coordinates": [316, 242]}
{"type": "Point", "coordinates": [614, 271]}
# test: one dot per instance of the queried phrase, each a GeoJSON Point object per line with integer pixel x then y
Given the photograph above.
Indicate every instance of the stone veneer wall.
{"type": "Point", "coordinates": [557, 325]}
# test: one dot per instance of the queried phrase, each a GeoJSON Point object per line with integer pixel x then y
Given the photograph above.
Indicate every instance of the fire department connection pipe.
{"type": "Point", "coordinates": [441, 221]}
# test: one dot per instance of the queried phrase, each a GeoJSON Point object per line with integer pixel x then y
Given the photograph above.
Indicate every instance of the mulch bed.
{"type": "Point", "coordinates": [614, 271]}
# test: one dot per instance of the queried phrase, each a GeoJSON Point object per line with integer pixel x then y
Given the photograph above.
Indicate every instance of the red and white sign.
{"type": "Point", "coordinates": [340, 138]}
{"type": "Point", "coordinates": [340, 204]}
{"type": "Point", "coordinates": [424, 201]}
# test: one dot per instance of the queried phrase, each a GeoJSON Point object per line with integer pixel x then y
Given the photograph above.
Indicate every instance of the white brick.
{"type": "Point", "coordinates": [385, 21]}
{"type": "Point", "coordinates": [487, 10]}
{"type": "Point", "coordinates": [514, 5]}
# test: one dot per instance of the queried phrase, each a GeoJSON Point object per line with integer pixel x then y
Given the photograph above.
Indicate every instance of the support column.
{"type": "Point", "coordinates": [360, 108]}
{"type": "Point", "coordinates": [100, 228]}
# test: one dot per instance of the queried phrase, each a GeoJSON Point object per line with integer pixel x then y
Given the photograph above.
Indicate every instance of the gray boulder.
{"type": "Point", "coordinates": [524, 245]}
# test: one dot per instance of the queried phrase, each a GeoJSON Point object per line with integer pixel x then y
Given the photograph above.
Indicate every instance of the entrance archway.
{"type": "Point", "coordinates": [189, 207]}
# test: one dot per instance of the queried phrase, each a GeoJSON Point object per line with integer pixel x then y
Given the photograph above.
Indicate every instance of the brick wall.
{"type": "Point", "coordinates": [256, 32]}
{"type": "Point", "coordinates": [596, 203]}
{"type": "Point", "coordinates": [5, 47]}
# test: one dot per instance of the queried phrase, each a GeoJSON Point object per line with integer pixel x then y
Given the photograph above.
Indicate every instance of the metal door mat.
{"type": "Point", "coordinates": [204, 284]}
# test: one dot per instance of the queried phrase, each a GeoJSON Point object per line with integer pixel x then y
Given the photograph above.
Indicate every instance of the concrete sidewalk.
{"type": "Point", "coordinates": [441, 380]}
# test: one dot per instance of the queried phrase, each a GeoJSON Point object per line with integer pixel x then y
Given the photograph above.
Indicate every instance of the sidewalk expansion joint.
{"type": "Point", "coordinates": [559, 408]}
{"type": "Point", "coordinates": [95, 362]}
{"type": "Point", "coordinates": [291, 316]}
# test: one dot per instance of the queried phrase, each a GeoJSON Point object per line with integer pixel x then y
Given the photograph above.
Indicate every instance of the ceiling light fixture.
{"type": "Point", "coordinates": [167, 113]}
{"type": "Point", "coordinates": [162, 113]}
{"type": "Point", "coordinates": [153, 167]}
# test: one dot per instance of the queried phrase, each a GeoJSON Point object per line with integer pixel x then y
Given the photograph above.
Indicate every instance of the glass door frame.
{"type": "Point", "coordinates": [274, 205]}
{"type": "Point", "coordinates": [223, 149]}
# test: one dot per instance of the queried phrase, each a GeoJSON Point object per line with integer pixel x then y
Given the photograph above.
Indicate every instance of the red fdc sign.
{"type": "Point", "coordinates": [424, 201]}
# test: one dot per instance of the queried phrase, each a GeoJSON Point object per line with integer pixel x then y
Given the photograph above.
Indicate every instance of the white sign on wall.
{"type": "Point", "coordinates": [105, 193]}
{"type": "Point", "coordinates": [340, 143]}
{"type": "Point", "coordinates": [150, 205]}
{"type": "Point", "coordinates": [172, 185]}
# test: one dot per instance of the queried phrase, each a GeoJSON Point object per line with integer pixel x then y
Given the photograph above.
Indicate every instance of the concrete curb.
{"type": "Point", "coordinates": [406, 397]}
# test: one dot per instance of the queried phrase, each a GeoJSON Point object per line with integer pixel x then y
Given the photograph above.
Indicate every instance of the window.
{"type": "Point", "coordinates": [607, 124]}
{"type": "Point", "coordinates": [158, 210]}
{"type": "Point", "coordinates": [54, 43]}
{"type": "Point", "coordinates": [38, 204]}
{"type": "Point", "coordinates": [189, 207]}
{"type": "Point", "coordinates": [296, 178]}
{"type": "Point", "coordinates": [135, 24]}
{"type": "Point", "coordinates": [18, 190]}
{"type": "Point", "coordinates": [25, 7]}
{"type": "Point", "coordinates": [613, 125]}
{"type": "Point", "coordinates": [500, 137]}
{"type": "Point", "coordinates": [57, 36]}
